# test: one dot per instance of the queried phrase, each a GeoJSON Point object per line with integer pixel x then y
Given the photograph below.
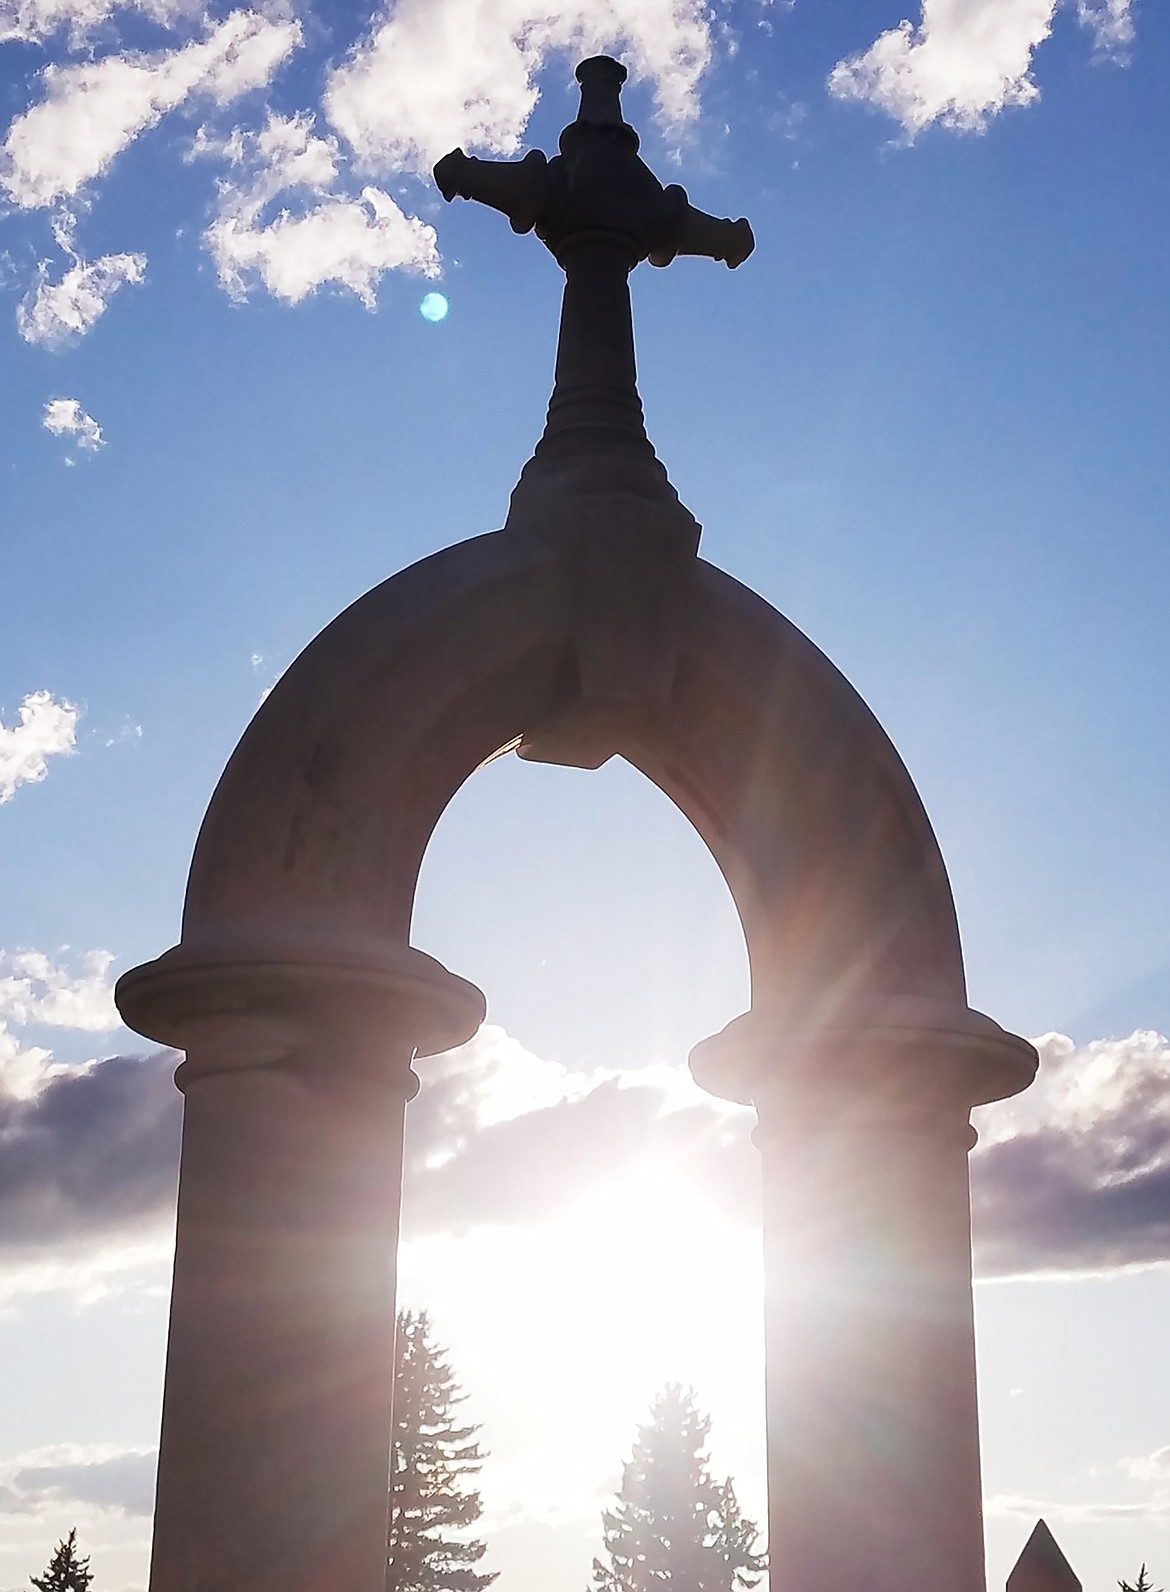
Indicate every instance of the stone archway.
{"type": "Point", "coordinates": [586, 628]}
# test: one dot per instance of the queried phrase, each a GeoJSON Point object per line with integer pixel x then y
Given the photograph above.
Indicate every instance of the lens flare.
{"type": "Point", "coordinates": [434, 307]}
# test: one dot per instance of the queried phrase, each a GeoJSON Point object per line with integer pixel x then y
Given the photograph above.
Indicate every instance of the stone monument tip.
{"type": "Point", "coordinates": [1042, 1567]}
{"type": "Point", "coordinates": [601, 79]}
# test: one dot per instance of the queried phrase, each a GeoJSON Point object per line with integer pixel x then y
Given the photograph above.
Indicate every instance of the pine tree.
{"type": "Point", "coordinates": [65, 1572]}
{"type": "Point", "coordinates": [674, 1525]}
{"type": "Point", "coordinates": [1143, 1584]}
{"type": "Point", "coordinates": [432, 1457]}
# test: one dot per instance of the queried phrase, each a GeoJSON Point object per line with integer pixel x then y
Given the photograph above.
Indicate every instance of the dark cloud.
{"type": "Point", "coordinates": [1073, 1176]}
{"type": "Point", "coordinates": [123, 1483]}
{"type": "Point", "coordinates": [1083, 1181]}
{"type": "Point", "coordinates": [1036, 1206]}
{"type": "Point", "coordinates": [530, 1167]}
{"type": "Point", "coordinates": [94, 1152]}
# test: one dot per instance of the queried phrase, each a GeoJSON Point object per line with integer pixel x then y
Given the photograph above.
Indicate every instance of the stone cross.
{"type": "Point", "coordinates": [600, 210]}
{"type": "Point", "coordinates": [596, 183]}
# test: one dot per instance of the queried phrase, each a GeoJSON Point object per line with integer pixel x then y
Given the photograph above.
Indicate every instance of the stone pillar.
{"type": "Point", "coordinates": [274, 1454]}
{"type": "Point", "coordinates": [873, 1448]}
{"type": "Point", "coordinates": [873, 1440]}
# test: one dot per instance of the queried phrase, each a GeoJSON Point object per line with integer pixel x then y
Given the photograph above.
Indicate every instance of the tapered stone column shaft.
{"type": "Point", "coordinates": [595, 397]}
{"type": "Point", "coordinates": [873, 1450]}
{"type": "Point", "coordinates": [275, 1441]}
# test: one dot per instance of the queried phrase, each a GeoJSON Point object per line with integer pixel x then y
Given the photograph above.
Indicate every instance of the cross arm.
{"type": "Point", "coordinates": [691, 231]}
{"type": "Point", "coordinates": [516, 188]}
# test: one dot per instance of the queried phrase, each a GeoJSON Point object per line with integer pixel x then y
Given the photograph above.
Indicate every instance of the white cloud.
{"type": "Point", "coordinates": [36, 20]}
{"type": "Point", "coordinates": [85, 1271]}
{"type": "Point", "coordinates": [34, 989]}
{"type": "Point", "coordinates": [127, 734]}
{"type": "Point", "coordinates": [494, 1079]}
{"type": "Point", "coordinates": [23, 1068]}
{"type": "Point", "coordinates": [47, 728]}
{"type": "Point", "coordinates": [334, 237]}
{"type": "Point", "coordinates": [93, 109]}
{"type": "Point", "coordinates": [1013, 1505]}
{"type": "Point", "coordinates": [1151, 1467]}
{"type": "Point", "coordinates": [65, 417]}
{"type": "Point", "coordinates": [1115, 1085]}
{"type": "Point", "coordinates": [1111, 22]}
{"type": "Point", "coordinates": [52, 313]}
{"type": "Point", "coordinates": [438, 73]}
{"type": "Point", "coordinates": [966, 60]}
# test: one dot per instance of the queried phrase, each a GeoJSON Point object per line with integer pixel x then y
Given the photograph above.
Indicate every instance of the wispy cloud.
{"type": "Point", "coordinates": [65, 417]}
{"type": "Point", "coordinates": [966, 60]}
{"type": "Point", "coordinates": [47, 728]}
{"type": "Point", "coordinates": [92, 110]}
{"type": "Point", "coordinates": [54, 313]}
{"type": "Point", "coordinates": [348, 239]}
{"type": "Point", "coordinates": [34, 21]}
{"type": "Point", "coordinates": [293, 214]}
{"type": "Point", "coordinates": [1020, 1506]}
{"type": "Point", "coordinates": [23, 1068]}
{"type": "Point", "coordinates": [110, 1480]}
{"type": "Point", "coordinates": [1111, 23]}
{"type": "Point", "coordinates": [498, 1136]}
{"type": "Point", "coordinates": [35, 989]}
{"type": "Point", "coordinates": [432, 74]}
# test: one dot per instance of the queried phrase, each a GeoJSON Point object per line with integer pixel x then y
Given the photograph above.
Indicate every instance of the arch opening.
{"type": "Point", "coordinates": [579, 1218]}
{"type": "Point", "coordinates": [587, 908]}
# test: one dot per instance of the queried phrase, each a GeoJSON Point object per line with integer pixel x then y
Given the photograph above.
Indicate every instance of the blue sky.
{"type": "Point", "coordinates": [926, 420]}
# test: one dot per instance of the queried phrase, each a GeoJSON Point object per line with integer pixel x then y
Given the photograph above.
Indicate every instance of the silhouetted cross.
{"type": "Point", "coordinates": [596, 183]}
{"type": "Point", "coordinates": [600, 210]}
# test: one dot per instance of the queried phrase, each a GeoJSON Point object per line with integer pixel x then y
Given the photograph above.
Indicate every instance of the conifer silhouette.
{"type": "Point", "coordinates": [66, 1572]}
{"type": "Point", "coordinates": [431, 1459]}
{"type": "Point", "coordinates": [673, 1525]}
{"type": "Point", "coordinates": [1142, 1584]}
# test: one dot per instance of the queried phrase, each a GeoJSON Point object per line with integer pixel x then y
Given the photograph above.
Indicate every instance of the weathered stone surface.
{"type": "Point", "coordinates": [587, 628]}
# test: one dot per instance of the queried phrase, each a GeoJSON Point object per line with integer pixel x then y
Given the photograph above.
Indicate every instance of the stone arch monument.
{"type": "Point", "coordinates": [588, 627]}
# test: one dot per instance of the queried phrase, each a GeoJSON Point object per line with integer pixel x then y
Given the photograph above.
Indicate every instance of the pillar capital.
{"type": "Point", "coordinates": [236, 1006]}
{"type": "Point", "coordinates": [900, 1062]}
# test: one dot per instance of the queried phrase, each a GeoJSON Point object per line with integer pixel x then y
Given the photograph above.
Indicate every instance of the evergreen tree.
{"type": "Point", "coordinates": [66, 1572]}
{"type": "Point", "coordinates": [431, 1506]}
{"type": "Point", "coordinates": [1142, 1584]}
{"type": "Point", "coordinates": [673, 1524]}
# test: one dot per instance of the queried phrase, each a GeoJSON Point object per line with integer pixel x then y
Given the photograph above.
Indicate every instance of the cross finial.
{"type": "Point", "coordinates": [601, 79]}
{"type": "Point", "coordinates": [600, 210]}
{"type": "Point", "coordinates": [598, 182]}
{"type": "Point", "coordinates": [594, 492]}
